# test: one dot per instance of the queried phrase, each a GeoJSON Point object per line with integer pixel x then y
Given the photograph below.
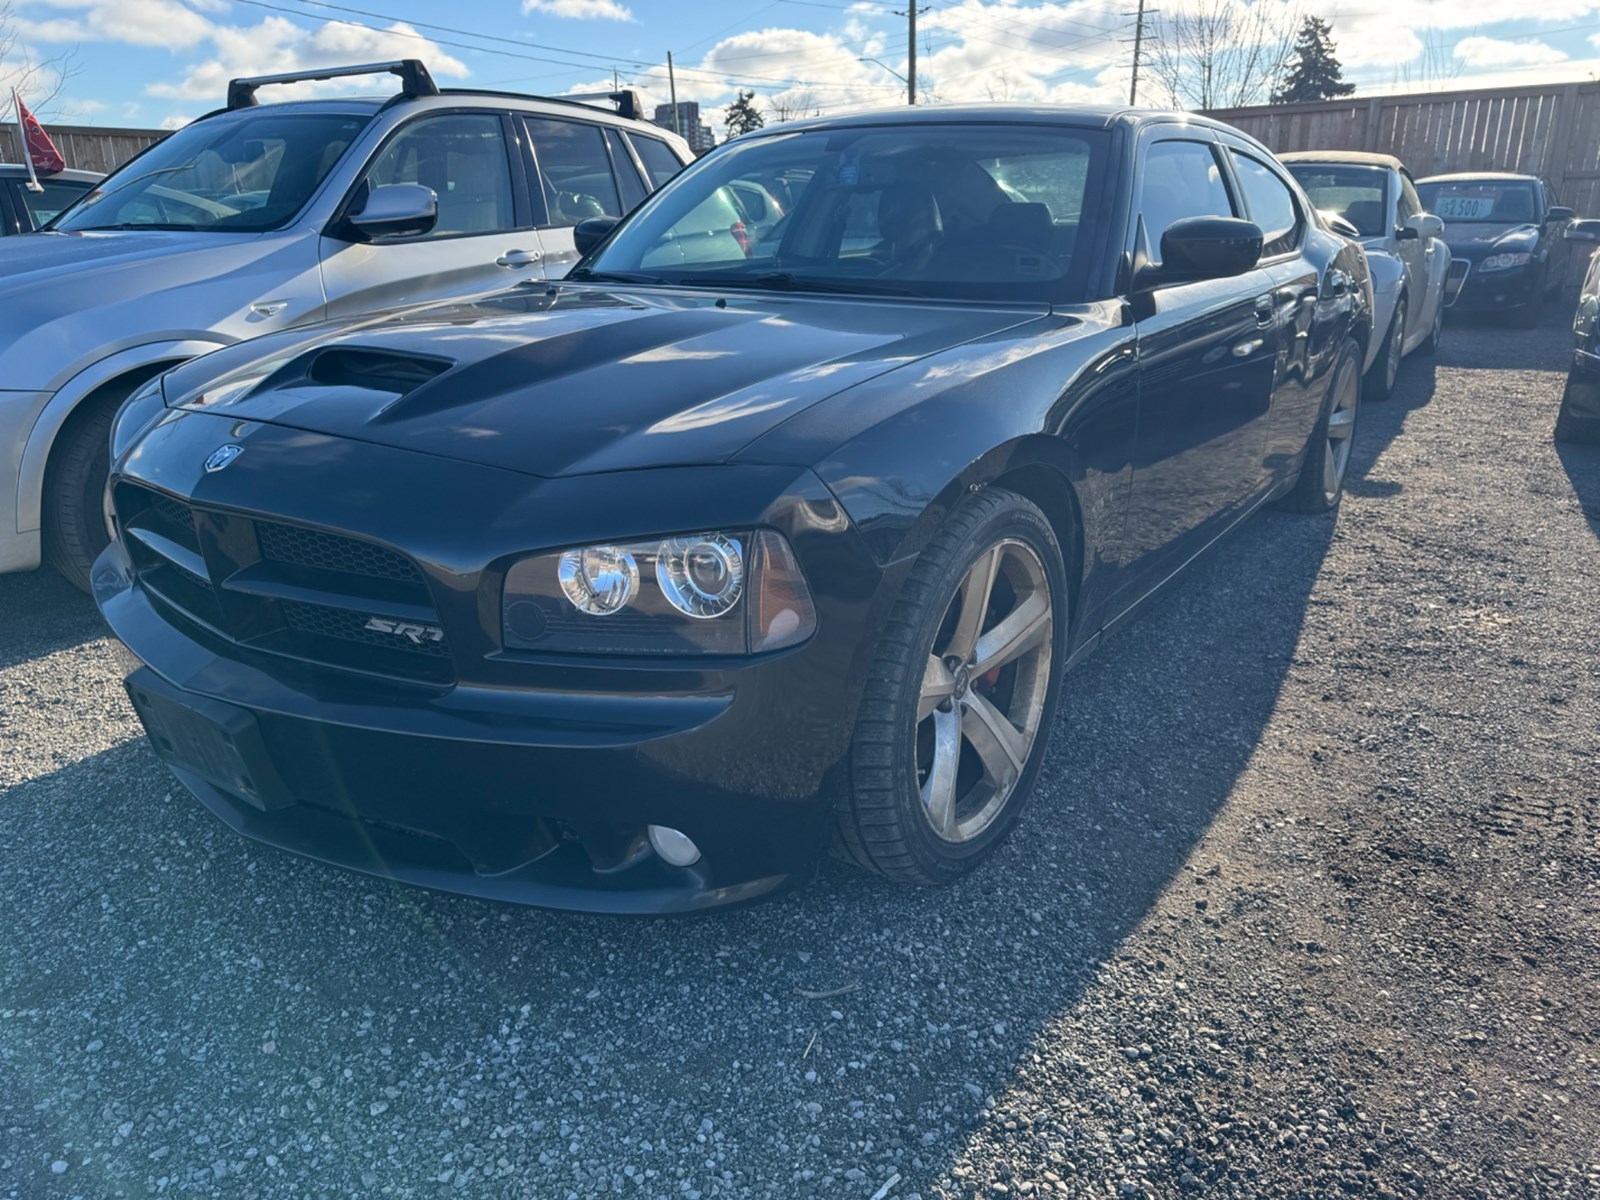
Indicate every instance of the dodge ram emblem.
{"type": "Point", "coordinates": [222, 456]}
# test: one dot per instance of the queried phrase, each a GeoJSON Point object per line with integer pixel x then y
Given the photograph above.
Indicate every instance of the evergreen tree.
{"type": "Point", "coordinates": [742, 116]}
{"type": "Point", "coordinates": [1314, 72]}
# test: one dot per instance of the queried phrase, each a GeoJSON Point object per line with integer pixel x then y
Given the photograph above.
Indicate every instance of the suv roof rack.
{"type": "Point", "coordinates": [414, 80]}
{"type": "Point", "coordinates": [626, 102]}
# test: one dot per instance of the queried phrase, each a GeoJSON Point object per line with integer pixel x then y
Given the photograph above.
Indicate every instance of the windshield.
{"type": "Point", "coordinates": [1486, 201]}
{"type": "Point", "coordinates": [952, 211]}
{"type": "Point", "coordinates": [244, 176]}
{"type": "Point", "coordinates": [1358, 194]}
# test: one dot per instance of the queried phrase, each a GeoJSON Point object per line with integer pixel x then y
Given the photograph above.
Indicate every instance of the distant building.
{"type": "Point", "coordinates": [689, 126]}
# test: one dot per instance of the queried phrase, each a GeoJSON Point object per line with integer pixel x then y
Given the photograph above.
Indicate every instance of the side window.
{"type": "Point", "coordinates": [574, 170]}
{"type": "Point", "coordinates": [462, 157]}
{"type": "Point", "coordinates": [1270, 204]}
{"type": "Point", "coordinates": [633, 187]}
{"type": "Point", "coordinates": [46, 205]}
{"type": "Point", "coordinates": [660, 163]}
{"type": "Point", "coordinates": [1181, 179]}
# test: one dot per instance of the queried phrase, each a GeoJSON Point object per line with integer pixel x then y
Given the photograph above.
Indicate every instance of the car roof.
{"type": "Point", "coordinates": [1359, 158]}
{"type": "Point", "coordinates": [1094, 116]}
{"type": "Point", "coordinates": [70, 175]}
{"type": "Point", "coordinates": [1490, 175]}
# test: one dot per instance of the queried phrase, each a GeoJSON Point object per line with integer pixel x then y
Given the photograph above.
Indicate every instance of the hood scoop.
{"type": "Point", "coordinates": [374, 370]}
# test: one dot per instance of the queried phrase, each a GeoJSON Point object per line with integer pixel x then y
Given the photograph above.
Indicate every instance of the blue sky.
{"type": "Point", "coordinates": [159, 62]}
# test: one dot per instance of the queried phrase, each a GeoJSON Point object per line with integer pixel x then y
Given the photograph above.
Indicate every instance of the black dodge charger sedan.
{"type": "Point", "coordinates": [631, 592]}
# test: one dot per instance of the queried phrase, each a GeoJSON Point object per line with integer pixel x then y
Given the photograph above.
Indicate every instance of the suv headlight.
{"type": "Point", "coordinates": [1504, 262]}
{"type": "Point", "coordinates": [715, 592]}
{"type": "Point", "coordinates": [138, 412]}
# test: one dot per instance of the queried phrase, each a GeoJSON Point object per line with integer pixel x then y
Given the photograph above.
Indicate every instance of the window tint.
{"type": "Point", "coordinates": [1181, 179]}
{"type": "Point", "coordinates": [48, 204]}
{"type": "Point", "coordinates": [462, 157]}
{"type": "Point", "coordinates": [660, 161]}
{"type": "Point", "coordinates": [1271, 205]}
{"type": "Point", "coordinates": [574, 170]}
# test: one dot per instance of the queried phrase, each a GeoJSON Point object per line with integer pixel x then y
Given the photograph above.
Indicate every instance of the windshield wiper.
{"type": "Point", "coordinates": [130, 225]}
{"type": "Point", "coordinates": [788, 281]}
{"type": "Point", "coordinates": [584, 273]}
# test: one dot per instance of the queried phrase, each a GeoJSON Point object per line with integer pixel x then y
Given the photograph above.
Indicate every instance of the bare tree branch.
{"type": "Point", "coordinates": [39, 80]}
{"type": "Point", "coordinates": [1221, 53]}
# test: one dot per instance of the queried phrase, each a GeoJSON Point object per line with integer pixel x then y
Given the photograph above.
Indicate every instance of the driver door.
{"type": "Point", "coordinates": [484, 238]}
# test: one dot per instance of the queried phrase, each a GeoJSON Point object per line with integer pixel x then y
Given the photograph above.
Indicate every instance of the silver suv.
{"type": "Point", "coordinates": [255, 218]}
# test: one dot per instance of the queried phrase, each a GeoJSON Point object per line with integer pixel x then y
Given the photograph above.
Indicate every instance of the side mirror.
{"type": "Point", "coordinates": [1199, 248]}
{"type": "Point", "coordinates": [1337, 224]}
{"type": "Point", "coordinates": [1407, 233]}
{"type": "Point", "coordinates": [591, 231]}
{"type": "Point", "coordinates": [1559, 214]}
{"type": "Point", "coordinates": [1585, 229]}
{"type": "Point", "coordinates": [397, 210]}
{"type": "Point", "coordinates": [1427, 225]}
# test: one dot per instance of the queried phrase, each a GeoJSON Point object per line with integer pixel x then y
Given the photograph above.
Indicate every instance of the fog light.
{"type": "Point", "coordinates": [674, 847]}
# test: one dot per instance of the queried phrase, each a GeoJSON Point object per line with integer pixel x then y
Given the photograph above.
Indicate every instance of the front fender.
{"type": "Point", "coordinates": [41, 438]}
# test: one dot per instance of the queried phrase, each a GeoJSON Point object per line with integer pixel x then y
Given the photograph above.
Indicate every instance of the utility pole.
{"type": "Point", "coordinates": [672, 85]}
{"type": "Point", "coordinates": [1138, 49]}
{"type": "Point", "coordinates": [911, 52]}
{"type": "Point", "coordinates": [616, 84]}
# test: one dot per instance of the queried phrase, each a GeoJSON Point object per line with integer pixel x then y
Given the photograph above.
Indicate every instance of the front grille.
{"type": "Point", "coordinates": [286, 589]}
{"type": "Point", "coordinates": [299, 546]}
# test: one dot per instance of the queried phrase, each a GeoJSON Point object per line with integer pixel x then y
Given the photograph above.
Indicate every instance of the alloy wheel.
{"type": "Point", "coordinates": [1397, 347]}
{"type": "Point", "coordinates": [983, 691]}
{"type": "Point", "coordinates": [1341, 432]}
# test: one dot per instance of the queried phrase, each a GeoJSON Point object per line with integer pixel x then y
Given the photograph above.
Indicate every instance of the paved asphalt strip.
{"type": "Point", "coordinates": [1308, 905]}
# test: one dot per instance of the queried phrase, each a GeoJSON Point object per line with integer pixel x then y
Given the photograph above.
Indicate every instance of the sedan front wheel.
{"type": "Point", "coordinates": [958, 705]}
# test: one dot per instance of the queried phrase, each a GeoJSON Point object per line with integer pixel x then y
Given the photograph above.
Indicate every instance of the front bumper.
{"type": "Point", "coordinates": [1478, 291]}
{"type": "Point", "coordinates": [524, 780]}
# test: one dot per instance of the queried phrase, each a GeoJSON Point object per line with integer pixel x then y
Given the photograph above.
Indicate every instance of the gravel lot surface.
{"type": "Point", "coordinates": [1309, 905]}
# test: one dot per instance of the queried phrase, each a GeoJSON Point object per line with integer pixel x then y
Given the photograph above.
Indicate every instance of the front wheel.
{"type": "Point", "coordinates": [75, 530]}
{"type": "Point", "coordinates": [1327, 459]}
{"type": "Point", "coordinates": [1436, 330]}
{"type": "Point", "coordinates": [1380, 380]}
{"type": "Point", "coordinates": [958, 704]}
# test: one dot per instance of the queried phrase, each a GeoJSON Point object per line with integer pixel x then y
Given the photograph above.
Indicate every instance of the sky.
{"type": "Point", "coordinates": [158, 63]}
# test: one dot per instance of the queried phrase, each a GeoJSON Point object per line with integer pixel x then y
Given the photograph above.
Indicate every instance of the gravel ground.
{"type": "Point", "coordinates": [1309, 905]}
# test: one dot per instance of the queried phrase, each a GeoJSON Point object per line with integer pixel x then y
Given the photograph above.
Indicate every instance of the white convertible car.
{"type": "Point", "coordinates": [1405, 250]}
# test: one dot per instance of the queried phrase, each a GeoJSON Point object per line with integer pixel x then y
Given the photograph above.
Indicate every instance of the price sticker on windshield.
{"type": "Point", "coordinates": [1465, 208]}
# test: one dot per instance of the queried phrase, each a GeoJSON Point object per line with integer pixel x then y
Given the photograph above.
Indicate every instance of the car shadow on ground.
{"type": "Point", "coordinates": [41, 613]}
{"type": "Point", "coordinates": [850, 1022]}
{"type": "Point", "coordinates": [1582, 465]}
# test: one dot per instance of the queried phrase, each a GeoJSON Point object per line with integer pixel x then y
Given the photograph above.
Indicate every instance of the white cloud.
{"type": "Point", "coordinates": [579, 10]}
{"type": "Point", "coordinates": [134, 22]}
{"type": "Point", "coordinates": [1492, 52]}
{"type": "Point", "coordinates": [278, 46]}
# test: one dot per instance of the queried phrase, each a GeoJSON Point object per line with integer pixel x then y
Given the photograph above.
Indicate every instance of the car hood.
{"type": "Point", "coordinates": [36, 257]}
{"type": "Point", "coordinates": [577, 379]}
{"type": "Point", "coordinates": [1473, 240]}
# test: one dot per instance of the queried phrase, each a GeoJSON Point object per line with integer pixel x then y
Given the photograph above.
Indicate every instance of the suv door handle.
{"type": "Point", "coordinates": [516, 259]}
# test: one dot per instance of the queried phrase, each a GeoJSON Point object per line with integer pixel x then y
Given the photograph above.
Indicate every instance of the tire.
{"type": "Point", "coordinates": [1528, 315]}
{"type": "Point", "coordinates": [1436, 334]}
{"type": "Point", "coordinates": [74, 490]}
{"type": "Point", "coordinates": [1572, 429]}
{"type": "Point", "coordinates": [1380, 380]}
{"type": "Point", "coordinates": [895, 817]}
{"type": "Point", "coordinates": [1320, 485]}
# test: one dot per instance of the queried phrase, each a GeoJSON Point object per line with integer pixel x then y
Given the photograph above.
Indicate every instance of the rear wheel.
{"type": "Point", "coordinates": [1327, 459]}
{"type": "Point", "coordinates": [74, 489]}
{"type": "Point", "coordinates": [958, 705]}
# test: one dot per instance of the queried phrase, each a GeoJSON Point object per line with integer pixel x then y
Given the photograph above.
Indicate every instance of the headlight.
{"type": "Point", "coordinates": [138, 412]}
{"type": "Point", "coordinates": [1504, 262]}
{"type": "Point", "coordinates": [703, 593]}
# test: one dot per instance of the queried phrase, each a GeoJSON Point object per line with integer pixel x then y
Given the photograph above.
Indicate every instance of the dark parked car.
{"type": "Point", "coordinates": [1579, 417]}
{"type": "Point", "coordinates": [23, 210]}
{"type": "Point", "coordinates": [629, 592]}
{"type": "Point", "coordinates": [1501, 229]}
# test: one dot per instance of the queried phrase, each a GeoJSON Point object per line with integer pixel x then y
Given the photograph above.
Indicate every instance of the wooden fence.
{"type": "Point", "coordinates": [1552, 131]}
{"type": "Point", "coordinates": [85, 147]}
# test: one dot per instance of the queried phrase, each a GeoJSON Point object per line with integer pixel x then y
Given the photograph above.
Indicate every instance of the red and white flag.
{"type": "Point", "coordinates": [42, 154]}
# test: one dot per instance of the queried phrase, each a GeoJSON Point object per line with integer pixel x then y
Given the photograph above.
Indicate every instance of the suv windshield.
{"type": "Point", "coordinates": [1358, 194]}
{"type": "Point", "coordinates": [1488, 201]}
{"type": "Point", "coordinates": [244, 176]}
{"type": "Point", "coordinates": [954, 211]}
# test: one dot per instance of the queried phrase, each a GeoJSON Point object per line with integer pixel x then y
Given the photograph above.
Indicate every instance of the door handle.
{"type": "Point", "coordinates": [517, 259]}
